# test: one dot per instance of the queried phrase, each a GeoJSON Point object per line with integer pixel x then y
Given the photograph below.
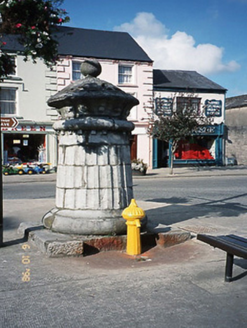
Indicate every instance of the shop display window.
{"type": "Point", "coordinates": [194, 149]}
{"type": "Point", "coordinates": [20, 148]}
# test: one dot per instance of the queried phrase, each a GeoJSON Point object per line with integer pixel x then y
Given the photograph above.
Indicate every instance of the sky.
{"type": "Point", "coordinates": [207, 36]}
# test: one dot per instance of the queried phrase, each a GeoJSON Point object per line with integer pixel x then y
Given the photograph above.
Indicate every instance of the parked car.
{"type": "Point", "coordinates": [26, 168]}
{"type": "Point", "coordinates": [34, 170]}
{"type": "Point", "coordinates": [9, 169]}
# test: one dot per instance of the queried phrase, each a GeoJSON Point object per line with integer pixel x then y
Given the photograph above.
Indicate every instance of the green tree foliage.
{"type": "Point", "coordinates": [6, 65]}
{"type": "Point", "coordinates": [34, 23]}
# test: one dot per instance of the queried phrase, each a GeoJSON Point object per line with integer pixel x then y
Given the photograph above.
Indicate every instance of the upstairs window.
{"type": "Point", "coordinates": [76, 71]}
{"type": "Point", "coordinates": [125, 74]}
{"type": "Point", "coordinates": [187, 103]}
{"type": "Point", "coordinates": [8, 101]}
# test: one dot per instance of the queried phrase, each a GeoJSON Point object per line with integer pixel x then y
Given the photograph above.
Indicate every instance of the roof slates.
{"type": "Point", "coordinates": [80, 42]}
{"type": "Point", "coordinates": [185, 80]}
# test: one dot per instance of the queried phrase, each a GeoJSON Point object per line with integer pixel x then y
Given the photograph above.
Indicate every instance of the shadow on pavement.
{"type": "Point", "coordinates": [177, 209]}
{"type": "Point", "coordinates": [243, 264]}
{"type": "Point", "coordinates": [23, 239]}
{"type": "Point", "coordinates": [15, 242]}
{"type": "Point", "coordinates": [240, 276]}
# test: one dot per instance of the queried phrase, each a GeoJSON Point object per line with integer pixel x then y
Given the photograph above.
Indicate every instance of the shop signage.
{"type": "Point", "coordinates": [208, 130]}
{"type": "Point", "coordinates": [28, 128]}
{"type": "Point", "coordinates": [213, 108]}
{"type": "Point", "coordinates": [9, 122]}
{"type": "Point", "coordinates": [164, 106]}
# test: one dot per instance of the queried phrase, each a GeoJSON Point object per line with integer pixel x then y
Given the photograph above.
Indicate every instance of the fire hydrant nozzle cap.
{"type": "Point", "coordinates": [133, 212]}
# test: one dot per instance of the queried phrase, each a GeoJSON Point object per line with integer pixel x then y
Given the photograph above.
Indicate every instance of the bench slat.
{"type": "Point", "coordinates": [235, 240]}
{"type": "Point", "coordinates": [242, 242]}
{"type": "Point", "coordinates": [231, 244]}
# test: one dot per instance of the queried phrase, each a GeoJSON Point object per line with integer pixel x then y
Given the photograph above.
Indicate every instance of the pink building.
{"type": "Point", "coordinates": [124, 63]}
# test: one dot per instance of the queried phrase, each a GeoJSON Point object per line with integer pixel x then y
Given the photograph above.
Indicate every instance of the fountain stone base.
{"type": "Point", "coordinates": [85, 222]}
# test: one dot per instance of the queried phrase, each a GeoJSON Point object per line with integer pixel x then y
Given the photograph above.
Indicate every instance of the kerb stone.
{"type": "Point", "coordinates": [171, 238]}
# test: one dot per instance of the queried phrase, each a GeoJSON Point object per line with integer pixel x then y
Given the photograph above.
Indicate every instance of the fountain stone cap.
{"type": "Point", "coordinates": [92, 97]}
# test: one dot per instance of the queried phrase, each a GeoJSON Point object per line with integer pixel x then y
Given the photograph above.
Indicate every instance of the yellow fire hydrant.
{"type": "Point", "coordinates": [133, 214]}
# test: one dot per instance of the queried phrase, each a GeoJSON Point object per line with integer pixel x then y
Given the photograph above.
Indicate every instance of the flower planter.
{"type": "Point", "coordinates": [138, 167]}
{"type": "Point", "coordinates": [138, 172]}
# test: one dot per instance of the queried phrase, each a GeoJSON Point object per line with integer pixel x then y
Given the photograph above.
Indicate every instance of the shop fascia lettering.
{"type": "Point", "coordinates": [28, 128]}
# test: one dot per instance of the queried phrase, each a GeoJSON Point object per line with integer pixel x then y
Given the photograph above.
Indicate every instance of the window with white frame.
{"type": "Point", "coordinates": [8, 101]}
{"type": "Point", "coordinates": [76, 70]}
{"type": "Point", "coordinates": [125, 74]}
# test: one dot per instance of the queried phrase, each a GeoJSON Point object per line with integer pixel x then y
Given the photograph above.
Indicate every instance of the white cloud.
{"type": "Point", "coordinates": [178, 51]}
{"type": "Point", "coordinates": [144, 24]}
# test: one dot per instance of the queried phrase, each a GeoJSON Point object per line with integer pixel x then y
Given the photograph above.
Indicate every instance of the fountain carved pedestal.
{"type": "Point", "coordinates": [94, 176]}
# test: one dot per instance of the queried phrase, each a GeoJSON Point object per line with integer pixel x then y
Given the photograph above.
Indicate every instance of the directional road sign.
{"type": "Point", "coordinates": [9, 122]}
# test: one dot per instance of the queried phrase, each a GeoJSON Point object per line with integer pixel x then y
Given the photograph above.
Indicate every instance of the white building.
{"type": "Point", "coordinates": [24, 94]}
{"type": "Point", "coordinates": [176, 89]}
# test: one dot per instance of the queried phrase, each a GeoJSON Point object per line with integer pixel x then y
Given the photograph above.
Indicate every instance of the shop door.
{"type": "Point", "coordinates": [133, 147]}
{"type": "Point", "coordinates": [163, 153]}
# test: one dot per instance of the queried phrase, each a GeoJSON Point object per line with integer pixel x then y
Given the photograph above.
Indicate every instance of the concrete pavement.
{"type": "Point", "coordinates": [197, 171]}
{"type": "Point", "coordinates": [178, 172]}
{"type": "Point", "coordinates": [181, 286]}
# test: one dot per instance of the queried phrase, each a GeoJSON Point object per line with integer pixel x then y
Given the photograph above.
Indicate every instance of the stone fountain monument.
{"type": "Point", "coordinates": [94, 177]}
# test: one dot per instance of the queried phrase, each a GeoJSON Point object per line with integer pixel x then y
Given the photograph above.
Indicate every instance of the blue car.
{"type": "Point", "coordinates": [34, 170]}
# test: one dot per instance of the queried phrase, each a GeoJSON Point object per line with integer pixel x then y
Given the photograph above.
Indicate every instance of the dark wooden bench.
{"type": "Point", "coordinates": [231, 244]}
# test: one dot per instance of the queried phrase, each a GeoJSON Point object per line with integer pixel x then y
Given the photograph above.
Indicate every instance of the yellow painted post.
{"type": "Point", "coordinates": [133, 214]}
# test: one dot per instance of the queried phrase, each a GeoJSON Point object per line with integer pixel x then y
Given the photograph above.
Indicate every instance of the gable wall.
{"type": "Point", "coordinates": [236, 134]}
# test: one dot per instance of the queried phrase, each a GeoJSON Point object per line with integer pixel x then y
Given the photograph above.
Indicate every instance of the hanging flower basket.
{"type": "Point", "coordinates": [138, 167]}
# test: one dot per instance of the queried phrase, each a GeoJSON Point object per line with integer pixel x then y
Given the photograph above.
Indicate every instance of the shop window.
{"type": "Point", "coordinates": [186, 103]}
{"type": "Point", "coordinates": [194, 149]}
{"type": "Point", "coordinates": [125, 74]}
{"type": "Point", "coordinates": [76, 70]}
{"type": "Point", "coordinates": [8, 101]}
{"type": "Point", "coordinates": [24, 148]}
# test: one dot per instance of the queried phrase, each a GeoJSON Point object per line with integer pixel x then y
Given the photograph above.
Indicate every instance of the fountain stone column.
{"type": "Point", "coordinates": [94, 177]}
